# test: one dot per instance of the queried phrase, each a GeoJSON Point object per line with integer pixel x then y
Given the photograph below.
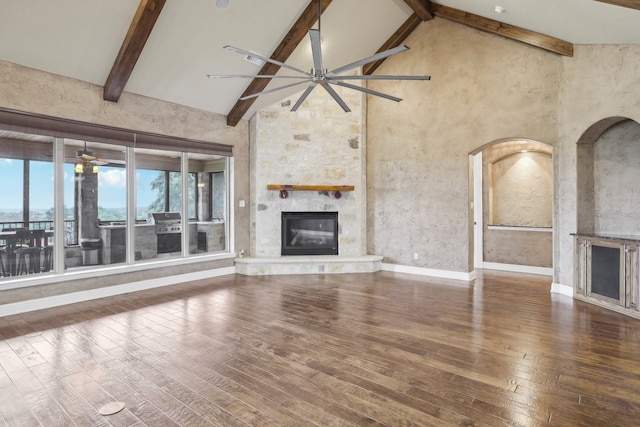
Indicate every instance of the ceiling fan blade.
{"type": "Point", "coordinates": [116, 162]}
{"type": "Point", "coordinates": [381, 77]}
{"type": "Point", "coordinates": [365, 90]}
{"type": "Point", "coordinates": [264, 92]}
{"type": "Point", "coordinates": [376, 57]}
{"type": "Point", "coordinates": [264, 58]}
{"type": "Point", "coordinates": [335, 96]}
{"type": "Point", "coordinates": [303, 96]}
{"type": "Point", "coordinates": [253, 76]}
{"type": "Point", "coordinates": [316, 50]}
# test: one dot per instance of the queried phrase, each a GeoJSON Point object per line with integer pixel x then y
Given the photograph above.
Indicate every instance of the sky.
{"type": "Point", "coordinates": [111, 182]}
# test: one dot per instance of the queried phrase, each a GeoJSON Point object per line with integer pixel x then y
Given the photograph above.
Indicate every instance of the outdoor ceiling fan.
{"type": "Point", "coordinates": [319, 75]}
{"type": "Point", "coordinates": [90, 158]}
{"type": "Point", "coordinates": [87, 160]}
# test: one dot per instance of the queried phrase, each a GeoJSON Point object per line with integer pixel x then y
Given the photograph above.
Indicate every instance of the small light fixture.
{"type": "Point", "coordinates": [81, 167]}
{"type": "Point", "coordinates": [201, 185]}
{"type": "Point", "coordinates": [499, 9]}
{"type": "Point", "coordinates": [222, 4]}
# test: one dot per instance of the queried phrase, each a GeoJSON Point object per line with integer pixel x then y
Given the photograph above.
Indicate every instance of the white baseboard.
{"type": "Point", "coordinates": [544, 271]}
{"type": "Point", "coordinates": [307, 264]}
{"type": "Point", "coordinates": [421, 271]}
{"type": "Point", "coordinates": [557, 288]}
{"type": "Point", "coordinates": [75, 297]}
{"type": "Point", "coordinates": [108, 291]}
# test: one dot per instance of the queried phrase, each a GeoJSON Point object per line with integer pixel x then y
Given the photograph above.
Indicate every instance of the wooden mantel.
{"type": "Point", "coordinates": [285, 188]}
{"type": "Point", "coordinates": [293, 187]}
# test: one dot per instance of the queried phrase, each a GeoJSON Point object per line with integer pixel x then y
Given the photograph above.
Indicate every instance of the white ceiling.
{"type": "Point", "coordinates": [81, 38]}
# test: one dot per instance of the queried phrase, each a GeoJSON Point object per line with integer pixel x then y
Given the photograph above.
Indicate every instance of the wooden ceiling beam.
{"type": "Point", "coordinates": [395, 40]}
{"type": "Point", "coordinates": [533, 38]}
{"type": "Point", "coordinates": [421, 12]}
{"type": "Point", "coordinates": [422, 8]}
{"type": "Point", "coordinates": [286, 47]}
{"type": "Point", "coordinates": [631, 4]}
{"type": "Point", "coordinates": [139, 31]}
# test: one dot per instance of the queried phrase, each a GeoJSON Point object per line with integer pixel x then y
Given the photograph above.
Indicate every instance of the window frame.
{"type": "Point", "coordinates": [56, 131]}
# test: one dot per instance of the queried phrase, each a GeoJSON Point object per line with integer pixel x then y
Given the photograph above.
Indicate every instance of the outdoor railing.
{"type": "Point", "coordinates": [70, 235]}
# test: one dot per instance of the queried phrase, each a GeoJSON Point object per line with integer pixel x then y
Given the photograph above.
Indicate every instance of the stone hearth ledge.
{"type": "Point", "coordinates": [316, 264]}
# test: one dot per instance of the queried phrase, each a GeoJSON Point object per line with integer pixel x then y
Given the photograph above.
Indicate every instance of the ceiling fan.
{"type": "Point", "coordinates": [87, 158]}
{"type": "Point", "coordinates": [320, 76]}
{"type": "Point", "coordinates": [90, 157]}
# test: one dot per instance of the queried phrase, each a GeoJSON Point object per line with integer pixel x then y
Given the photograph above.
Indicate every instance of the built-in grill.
{"type": "Point", "coordinates": [166, 222]}
{"type": "Point", "coordinates": [168, 226]}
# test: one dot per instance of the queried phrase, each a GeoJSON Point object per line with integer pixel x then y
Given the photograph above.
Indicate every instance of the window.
{"type": "Point", "coordinates": [40, 192]}
{"type": "Point", "coordinates": [12, 170]}
{"type": "Point", "coordinates": [26, 210]}
{"type": "Point", "coordinates": [95, 191]}
{"type": "Point", "coordinates": [112, 193]}
{"type": "Point", "coordinates": [26, 169]}
{"type": "Point", "coordinates": [152, 194]}
{"type": "Point", "coordinates": [70, 229]}
{"type": "Point", "coordinates": [218, 191]}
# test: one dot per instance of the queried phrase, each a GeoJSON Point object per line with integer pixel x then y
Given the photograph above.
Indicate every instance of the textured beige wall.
{"type": "Point", "coordinates": [530, 248]}
{"type": "Point", "coordinates": [521, 190]}
{"type": "Point", "coordinates": [96, 282]}
{"type": "Point", "coordinates": [484, 88]}
{"type": "Point", "coordinates": [34, 91]}
{"type": "Point", "coordinates": [613, 190]}
{"type": "Point", "coordinates": [599, 82]}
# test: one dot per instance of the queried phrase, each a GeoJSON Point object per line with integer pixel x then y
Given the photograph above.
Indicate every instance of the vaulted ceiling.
{"type": "Point", "coordinates": [165, 48]}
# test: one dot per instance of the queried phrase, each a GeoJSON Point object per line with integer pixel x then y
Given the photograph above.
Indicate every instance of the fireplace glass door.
{"type": "Point", "coordinates": [309, 233]}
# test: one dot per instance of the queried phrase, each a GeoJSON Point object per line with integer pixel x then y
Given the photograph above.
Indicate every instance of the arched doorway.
{"type": "Point", "coordinates": [512, 206]}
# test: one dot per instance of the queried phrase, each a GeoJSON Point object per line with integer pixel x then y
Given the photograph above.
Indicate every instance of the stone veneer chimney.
{"type": "Point", "coordinates": [318, 145]}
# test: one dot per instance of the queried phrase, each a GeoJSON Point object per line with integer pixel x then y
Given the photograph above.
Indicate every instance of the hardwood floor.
{"type": "Point", "coordinates": [325, 350]}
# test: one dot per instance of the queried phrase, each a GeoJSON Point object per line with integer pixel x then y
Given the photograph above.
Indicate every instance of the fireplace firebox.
{"type": "Point", "coordinates": [309, 233]}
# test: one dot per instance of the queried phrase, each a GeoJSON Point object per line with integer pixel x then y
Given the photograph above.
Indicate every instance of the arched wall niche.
{"type": "Point", "coordinates": [517, 202]}
{"type": "Point", "coordinates": [518, 183]}
{"type": "Point", "coordinates": [608, 178]}
{"type": "Point", "coordinates": [513, 144]}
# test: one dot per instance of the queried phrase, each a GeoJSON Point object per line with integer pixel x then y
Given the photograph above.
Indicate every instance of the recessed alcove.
{"type": "Point", "coordinates": [607, 245]}
{"type": "Point", "coordinates": [609, 179]}
{"type": "Point", "coordinates": [520, 184]}
{"type": "Point", "coordinates": [517, 203]}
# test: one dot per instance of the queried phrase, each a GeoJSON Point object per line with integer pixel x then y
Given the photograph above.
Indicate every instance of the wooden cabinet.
{"type": "Point", "coordinates": [606, 272]}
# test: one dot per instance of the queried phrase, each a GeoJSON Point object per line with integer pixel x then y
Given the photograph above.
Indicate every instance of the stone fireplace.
{"type": "Point", "coordinates": [319, 145]}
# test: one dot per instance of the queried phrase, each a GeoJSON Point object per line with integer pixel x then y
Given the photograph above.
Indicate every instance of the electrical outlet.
{"type": "Point", "coordinates": [241, 253]}
{"type": "Point", "coordinates": [416, 255]}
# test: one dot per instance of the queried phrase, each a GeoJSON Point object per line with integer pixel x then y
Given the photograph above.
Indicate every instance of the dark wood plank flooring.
{"type": "Point", "coordinates": [325, 350]}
